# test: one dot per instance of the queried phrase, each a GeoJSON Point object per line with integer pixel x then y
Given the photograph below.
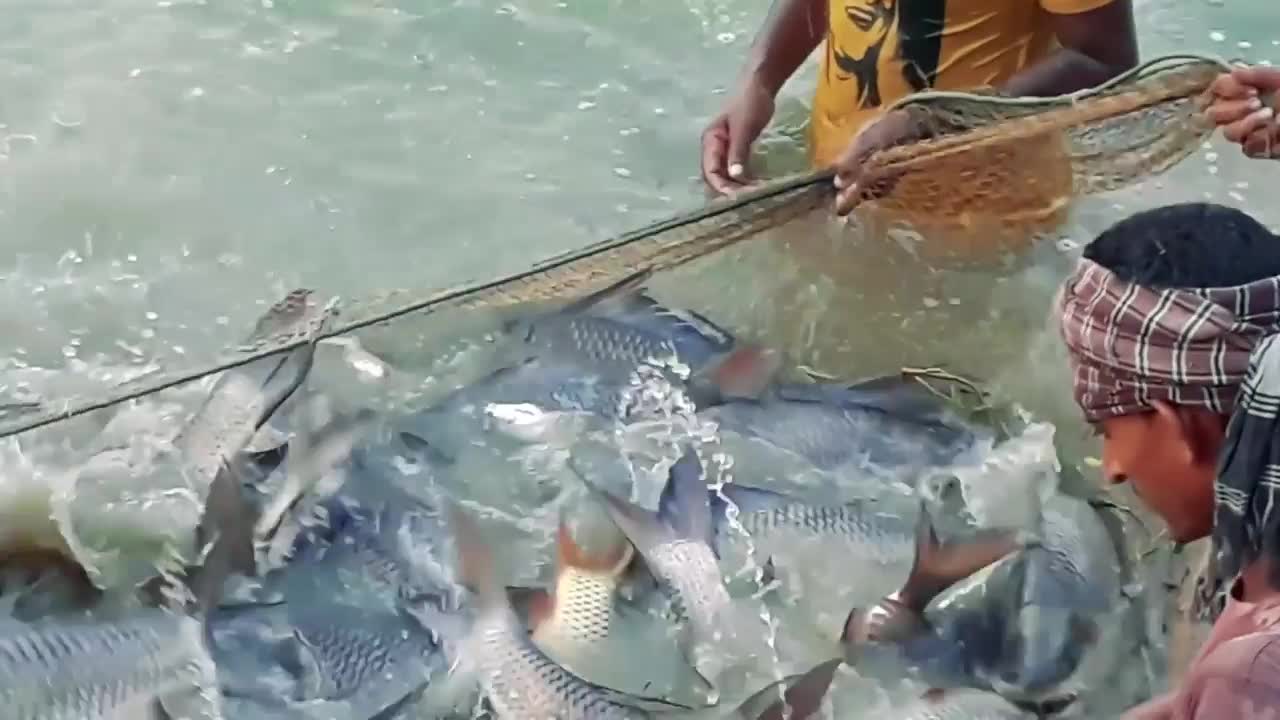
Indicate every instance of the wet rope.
{"type": "Point", "coordinates": [475, 293]}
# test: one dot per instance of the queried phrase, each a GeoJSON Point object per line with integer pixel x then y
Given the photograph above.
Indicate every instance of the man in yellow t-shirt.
{"type": "Point", "coordinates": [878, 51]}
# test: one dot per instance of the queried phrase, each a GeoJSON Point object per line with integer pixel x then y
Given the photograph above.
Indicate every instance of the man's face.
{"type": "Point", "coordinates": [1170, 462]}
{"type": "Point", "coordinates": [872, 18]}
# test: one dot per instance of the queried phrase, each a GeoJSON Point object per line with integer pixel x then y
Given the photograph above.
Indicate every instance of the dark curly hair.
{"type": "Point", "coordinates": [1188, 245]}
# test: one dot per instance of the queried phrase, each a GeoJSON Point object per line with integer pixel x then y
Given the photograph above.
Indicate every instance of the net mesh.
{"type": "Point", "coordinates": [1019, 163]}
{"type": "Point", "coordinates": [988, 161]}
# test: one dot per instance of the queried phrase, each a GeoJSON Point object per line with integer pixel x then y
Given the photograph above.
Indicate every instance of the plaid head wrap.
{"type": "Point", "coordinates": [1246, 522]}
{"type": "Point", "coordinates": [1129, 345]}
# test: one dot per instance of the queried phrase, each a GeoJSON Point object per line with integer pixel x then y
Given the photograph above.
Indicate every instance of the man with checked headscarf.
{"type": "Point", "coordinates": [1171, 322]}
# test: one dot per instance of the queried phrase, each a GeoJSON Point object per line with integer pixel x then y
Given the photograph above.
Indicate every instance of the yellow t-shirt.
{"type": "Point", "coordinates": [878, 51]}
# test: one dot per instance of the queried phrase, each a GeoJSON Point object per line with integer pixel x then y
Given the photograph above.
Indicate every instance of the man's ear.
{"type": "Point", "coordinates": [1170, 426]}
{"type": "Point", "coordinates": [1196, 432]}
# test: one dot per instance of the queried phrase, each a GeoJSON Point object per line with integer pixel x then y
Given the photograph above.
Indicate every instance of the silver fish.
{"type": "Point", "coordinates": [900, 617]}
{"type": "Point", "coordinates": [245, 397]}
{"type": "Point", "coordinates": [112, 510]}
{"type": "Point", "coordinates": [353, 625]}
{"type": "Point", "coordinates": [586, 627]}
{"type": "Point", "coordinates": [617, 329]}
{"type": "Point", "coordinates": [677, 544]}
{"type": "Point", "coordinates": [1067, 588]}
{"type": "Point", "coordinates": [83, 670]}
{"type": "Point", "coordinates": [881, 424]}
{"type": "Point", "coordinates": [865, 531]}
{"type": "Point", "coordinates": [519, 680]}
{"type": "Point", "coordinates": [961, 704]}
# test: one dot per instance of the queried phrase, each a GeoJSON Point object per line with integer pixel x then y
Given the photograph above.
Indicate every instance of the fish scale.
{"type": "Point", "coordinates": [349, 656]}
{"type": "Point", "coordinates": [608, 341]}
{"type": "Point", "coordinates": [963, 704]}
{"type": "Point", "coordinates": [585, 611]}
{"type": "Point", "coordinates": [690, 568]}
{"type": "Point", "coordinates": [522, 682]}
{"type": "Point", "coordinates": [163, 650]}
{"type": "Point", "coordinates": [765, 515]}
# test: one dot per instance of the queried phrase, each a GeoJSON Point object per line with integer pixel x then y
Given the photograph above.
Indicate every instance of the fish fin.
{"type": "Point", "coordinates": [228, 523]}
{"type": "Point", "coordinates": [937, 567]}
{"type": "Point", "coordinates": [475, 557]}
{"type": "Point", "coordinates": [613, 560]}
{"type": "Point", "coordinates": [622, 287]}
{"type": "Point", "coordinates": [745, 372]}
{"type": "Point", "coordinates": [893, 394]}
{"type": "Point", "coordinates": [684, 506]}
{"type": "Point", "coordinates": [424, 449]}
{"type": "Point", "coordinates": [643, 528]}
{"type": "Point", "coordinates": [268, 460]}
{"type": "Point", "coordinates": [768, 572]}
{"type": "Point", "coordinates": [752, 499]}
{"type": "Point", "coordinates": [533, 605]}
{"type": "Point", "coordinates": [802, 695]}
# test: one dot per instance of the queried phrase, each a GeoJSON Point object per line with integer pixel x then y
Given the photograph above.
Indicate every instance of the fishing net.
{"type": "Point", "coordinates": [1019, 162]}
{"type": "Point", "coordinates": [986, 160]}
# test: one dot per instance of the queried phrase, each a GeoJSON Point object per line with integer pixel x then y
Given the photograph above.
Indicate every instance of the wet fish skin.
{"type": "Point", "coordinates": [677, 544]}
{"type": "Point", "coordinates": [519, 680]}
{"type": "Point", "coordinates": [244, 398]}
{"type": "Point", "coordinates": [359, 627]}
{"type": "Point", "coordinates": [865, 531]}
{"type": "Point", "coordinates": [1065, 586]}
{"type": "Point", "coordinates": [616, 329]}
{"type": "Point", "coordinates": [86, 670]}
{"type": "Point", "coordinates": [935, 567]}
{"type": "Point", "coordinates": [341, 661]}
{"type": "Point", "coordinates": [876, 423]}
{"type": "Point", "coordinates": [962, 704]}
{"type": "Point", "coordinates": [584, 625]}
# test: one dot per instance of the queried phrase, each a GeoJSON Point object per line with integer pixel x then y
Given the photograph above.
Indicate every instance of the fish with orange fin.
{"type": "Point", "coordinates": [584, 626]}
{"type": "Point", "coordinates": [678, 547]}
{"type": "Point", "coordinates": [520, 681]}
{"type": "Point", "coordinates": [517, 677]}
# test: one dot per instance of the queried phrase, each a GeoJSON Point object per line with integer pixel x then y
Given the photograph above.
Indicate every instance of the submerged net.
{"type": "Point", "coordinates": [1018, 163]}
{"type": "Point", "coordinates": [988, 160]}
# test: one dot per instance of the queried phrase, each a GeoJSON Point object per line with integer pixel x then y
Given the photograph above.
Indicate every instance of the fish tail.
{"type": "Point", "coordinates": [475, 557]}
{"type": "Point", "coordinates": [612, 559]}
{"type": "Point", "coordinates": [228, 522]}
{"type": "Point", "coordinates": [802, 695]}
{"type": "Point", "coordinates": [745, 371]}
{"type": "Point", "coordinates": [937, 567]}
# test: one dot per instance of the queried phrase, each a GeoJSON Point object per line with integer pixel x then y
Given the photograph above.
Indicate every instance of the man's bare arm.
{"type": "Point", "coordinates": [790, 33]}
{"type": "Point", "coordinates": [1097, 45]}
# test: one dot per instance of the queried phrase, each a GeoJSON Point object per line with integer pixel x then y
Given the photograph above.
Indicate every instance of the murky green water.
{"type": "Point", "coordinates": [167, 168]}
{"type": "Point", "coordinates": [170, 164]}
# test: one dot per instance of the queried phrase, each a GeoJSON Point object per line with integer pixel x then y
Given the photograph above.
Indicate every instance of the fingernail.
{"type": "Point", "coordinates": [735, 170]}
{"type": "Point", "coordinates": [1265, 113]}
{"type": "Point", "coordinates": [839, 182]}
{"type": "Point", "coordinates": [1254, 103]}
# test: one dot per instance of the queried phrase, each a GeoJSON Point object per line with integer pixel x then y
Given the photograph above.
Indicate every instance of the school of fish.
{"type": "Point", "coordinates": [297, 558]}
